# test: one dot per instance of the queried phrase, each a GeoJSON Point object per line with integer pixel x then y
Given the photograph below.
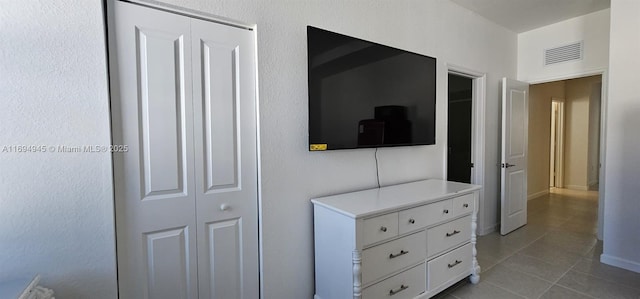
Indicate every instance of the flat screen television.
{"type": "Point", "coordinates": [363, 94]}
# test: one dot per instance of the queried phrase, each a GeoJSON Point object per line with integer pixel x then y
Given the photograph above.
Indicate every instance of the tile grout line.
{"type": "Point", "coordinates": [603, 278]}
{"type": "Point", "coordinates": [608, 280]}
{"type": "Point", "coordinates": [499, 261]}
{"type": "Point", "coordinates": [551, 283]}
{"type": "Point", "coordinates": [575, 291]}
{"type": "Point", "coordinates": [504, 289]}
{"type": "Point", "coordinates": [555, 283]}
{"type": "Point", "coordinates": [518, 251]}
{"type": "Point", "coordinates": [547, 230]}
{"type": "Point", "coordinates": [566, 287]}
{"type": "Point", "coordinates": [545, 291]}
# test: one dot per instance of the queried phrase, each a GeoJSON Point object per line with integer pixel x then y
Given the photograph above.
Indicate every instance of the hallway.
{"type": "Point", "coordinates": [556, 255]}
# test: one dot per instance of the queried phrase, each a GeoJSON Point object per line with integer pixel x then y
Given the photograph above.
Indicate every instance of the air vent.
{"type": "Point", "coordinates": [563, 54]}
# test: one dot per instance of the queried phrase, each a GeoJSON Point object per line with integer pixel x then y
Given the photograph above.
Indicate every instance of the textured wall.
{"type": "Point", "coordinates": [592, 28]}
{"type": "Point", "coordinates": [595, 104]}
{"type": "Point", "coordinates": [290, 174]}
{"type": "Point", "coordinates": [57, 94]}
{"type": "Point", "coordinates": [56, 211]}
{"type": "Point", "coordinates": [622, 207]}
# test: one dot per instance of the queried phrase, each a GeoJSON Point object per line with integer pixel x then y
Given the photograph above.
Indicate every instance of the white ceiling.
{"type": "Point", "coordinates": [524, 15]}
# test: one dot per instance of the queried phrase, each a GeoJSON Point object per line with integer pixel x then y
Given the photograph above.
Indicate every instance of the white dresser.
{"type": "Point", "coordinates": [402, 241]}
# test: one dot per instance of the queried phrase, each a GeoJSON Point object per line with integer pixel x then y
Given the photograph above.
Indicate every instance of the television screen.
{"type": "Point", "coordinates": [363, 94]}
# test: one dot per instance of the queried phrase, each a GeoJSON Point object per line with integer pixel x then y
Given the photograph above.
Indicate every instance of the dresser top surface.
{"type": "Point", "coordinates": [376, 201]}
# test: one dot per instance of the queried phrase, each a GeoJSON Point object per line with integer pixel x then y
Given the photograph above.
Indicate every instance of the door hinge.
{"type": "Point", "coordinates": [471, 165]}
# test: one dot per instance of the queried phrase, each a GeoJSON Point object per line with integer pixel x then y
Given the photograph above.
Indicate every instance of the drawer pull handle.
{"type": "Point", "coordinates": [400, 289]}
{"type": "Point", "coordinates": [446, 211]}
{"type": "Point", "coordinates": [383, 228]}
{"type": "Point", "coordinates": [402, 252]}
{"type": "Point", "coordinates": [455, 232]}
{"type": "Point", "coordinates": [412, 221]}
{"type": "Point", "coordinates": [466, 205]}
{"type": "Point", "coordinates": [454, 264]}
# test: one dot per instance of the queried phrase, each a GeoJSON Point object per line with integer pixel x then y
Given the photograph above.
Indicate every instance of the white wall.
{"type": "Point", "coordinates": [622, 207]}
{"type": "Point", "coordinates": [290, 174]}
{"type": "Point", "coordinates": [538, 163]}
{"type": "Point", "coordinates": [577, 131]}
{"type": "Point", "coordinates": [57, 94]}
{"type": "Point", "coordinates": [595, 102]}
{"type": "Point", "coordinates": [56, 211]}
{"type": "Point", "coordinates": [592, 28]}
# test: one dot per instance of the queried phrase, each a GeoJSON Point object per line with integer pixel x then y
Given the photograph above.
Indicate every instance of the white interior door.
{"type": "Point", "coordinates": [184, 101]}
{"type": "Point", "coordinates": [152, 114]}
{"type": "Point", "coordinates": [226, 180]}
{"type": "Point", "coordinates": [515, 115]}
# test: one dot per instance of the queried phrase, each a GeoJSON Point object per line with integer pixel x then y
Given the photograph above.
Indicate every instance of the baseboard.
{"type": "Point", "coordinates": [538, 194]}
{"type": "Point", "coordinates": [577, 187]}
{"type": "Point", "coordinates": [487, 230]}
{"type": "Point", "coordinates": [620, 262]}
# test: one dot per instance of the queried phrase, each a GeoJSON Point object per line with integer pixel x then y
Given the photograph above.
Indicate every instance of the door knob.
{"type": "Point", "coordinates": [507, 165]}
{"type": "Point", "coordinates": [225, 207]}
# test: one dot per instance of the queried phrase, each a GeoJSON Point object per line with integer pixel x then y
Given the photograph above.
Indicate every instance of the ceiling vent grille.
{"type": "Point", "coordinates": [561, 54]}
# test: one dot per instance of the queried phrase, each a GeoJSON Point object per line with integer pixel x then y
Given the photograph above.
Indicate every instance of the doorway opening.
{"type": "Point", "coordinates": [460, 106]}
{"type": "Point", "coordinates": [474, 120]}
{"type": "Point", "coordinates": [556, 150]}
{"type": "Point", "coordinates": [564, 137]}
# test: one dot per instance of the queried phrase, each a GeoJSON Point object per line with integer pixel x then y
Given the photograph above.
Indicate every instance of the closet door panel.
{"type": "Point", "coordinates": [224, 255]}
{"type": "Point", "coordinates": [220, 106]}
{"type": "Point", "coordinates": [225, 150]}
{"type": "Point", "coordinates": [152, 113]}
{"type": "Point", "coordinates": [162, 102]}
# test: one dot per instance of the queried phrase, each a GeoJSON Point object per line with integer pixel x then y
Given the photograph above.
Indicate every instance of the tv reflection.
{"type": "Point", "coordinates": [390, 126]}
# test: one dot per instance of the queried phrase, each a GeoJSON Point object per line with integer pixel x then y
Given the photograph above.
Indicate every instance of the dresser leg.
{"type": "Point", "coordinates": [475, 271]}
{"type": "Point", "coordinates": [357, 274]}
{"type": "Point", "coordinates": [475, 278]}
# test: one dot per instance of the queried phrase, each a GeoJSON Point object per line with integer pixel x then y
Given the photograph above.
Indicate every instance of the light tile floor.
{"type": "Point", "coordinates": [556, 255]}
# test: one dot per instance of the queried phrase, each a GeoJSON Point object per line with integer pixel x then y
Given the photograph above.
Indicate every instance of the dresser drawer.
{"type": "Point", "coordinates": [379, 228]}
{"type": "Point", "coordinates": [448, 235]}
{"type": "Point", "coordinates": [413, 219]}
{"type": "Point", "coordinates": [463, 204]}
{"type": "Point", "coordinates": [408, 284]}
{"type": "Point", "coordinates": [386, 258]}
{"type": "Point", "coordinates": [419, 217]}
{"type": "Point", "coordinates": [448, 266]}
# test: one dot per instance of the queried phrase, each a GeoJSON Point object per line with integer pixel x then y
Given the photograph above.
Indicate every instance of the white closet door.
{"type": "Point", "coordinates": [226, 169]}
{"type": "Point", "coordinates": [152, 113]}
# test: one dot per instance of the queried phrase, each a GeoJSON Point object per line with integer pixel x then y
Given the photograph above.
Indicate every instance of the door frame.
{"type": "Point", "coordinates": [192, 13]}
{"type": "Point", "coordinates": [557, 145]}
{"type": "Point", "coordinates": [254, 28]}
{"type": "Point", "coordinates": [478, 102]}
{"type": "Point", "coordinates": [604, 72]}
